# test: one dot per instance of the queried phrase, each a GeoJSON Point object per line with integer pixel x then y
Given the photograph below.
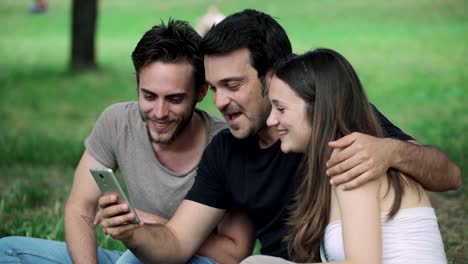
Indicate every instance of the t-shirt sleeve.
{"type": "Point", "coordinates": [209, 187]}
{"type": "Point", "coordinates": [389, 128]}
{"type": "Point", "coordinates": [103, 136]}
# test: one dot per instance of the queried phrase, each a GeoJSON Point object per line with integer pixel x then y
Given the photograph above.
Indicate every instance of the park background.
{"type": "Point", "coordinates": [411, 57]}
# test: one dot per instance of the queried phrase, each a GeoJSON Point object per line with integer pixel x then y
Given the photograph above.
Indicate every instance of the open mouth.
{"type": "Point", "coordinates": [232, 117]}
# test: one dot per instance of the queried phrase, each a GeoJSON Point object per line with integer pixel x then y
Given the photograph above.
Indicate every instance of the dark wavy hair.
{"type": "Point", "coordinates": [175, 42]}
{"type": "Point", "coordinates": [260, 33]}
{"type": "Point", "coordinates": [336, 105]}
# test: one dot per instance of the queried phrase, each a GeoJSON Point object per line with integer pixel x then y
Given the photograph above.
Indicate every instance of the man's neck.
{"type": "Point", "coordinates": [267, 137]}
{"type": "Point", "coordinates": [184, 153]}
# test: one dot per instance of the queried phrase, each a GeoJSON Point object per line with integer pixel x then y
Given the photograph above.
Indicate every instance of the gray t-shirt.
{"type": "Point", "coordinates": [120, 139]}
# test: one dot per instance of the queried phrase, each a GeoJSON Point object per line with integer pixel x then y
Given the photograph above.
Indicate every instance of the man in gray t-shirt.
{"type": "Point", "coordinates": [157, 144]}
{"type": "Point", "coordinates": [120, 140]}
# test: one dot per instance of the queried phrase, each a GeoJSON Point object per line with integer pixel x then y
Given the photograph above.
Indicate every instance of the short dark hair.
{"type": "Point", "coordinates": [260, 33]}
{"type": "Point", "coordinates": [175, 42]}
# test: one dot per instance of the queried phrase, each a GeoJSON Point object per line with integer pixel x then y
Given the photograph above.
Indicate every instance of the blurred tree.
{"type": "Point", "coordinates": [84, 16]}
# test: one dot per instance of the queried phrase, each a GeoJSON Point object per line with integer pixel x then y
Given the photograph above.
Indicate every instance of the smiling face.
{"type": "Point", "coordinates": [166, 97]}
{"type": "Point", "coordinates": [289, 116]}
{"type": "Point", "coordinates": [237, 92]}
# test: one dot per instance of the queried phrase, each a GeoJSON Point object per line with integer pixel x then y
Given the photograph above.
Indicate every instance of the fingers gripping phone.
{"type": "Point", "coordinates": [108, 183]}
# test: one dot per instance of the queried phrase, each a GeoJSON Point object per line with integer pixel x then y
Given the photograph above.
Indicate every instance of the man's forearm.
{"type": "Point", "coordinates": [156, 244]}
{"type": "Point", "coordinates": [81, 237]}
{"type": "Point", "coordinates": [228, 247]}
{"type": "Point", "coordinates": [427, 165]}
{"type": "Point", "coordinates": [234, 240]}
{"type": "Point", "coordinates": [221, 249]}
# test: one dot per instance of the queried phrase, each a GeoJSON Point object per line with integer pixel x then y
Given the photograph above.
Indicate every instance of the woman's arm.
{"type": "Point", "coordinates": [360, 217]}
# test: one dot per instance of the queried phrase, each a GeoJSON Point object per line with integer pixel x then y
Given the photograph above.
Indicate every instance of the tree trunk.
{"type": "Point", "coordinates": [84, 16]}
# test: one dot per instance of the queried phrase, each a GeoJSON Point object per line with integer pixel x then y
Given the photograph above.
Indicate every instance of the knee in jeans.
{"type": "Point", "coordinates": [8, 246]}
{"type": "Point", "coordinates": [9, 242]}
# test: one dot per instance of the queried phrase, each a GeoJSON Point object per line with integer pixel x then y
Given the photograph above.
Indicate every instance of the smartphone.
{"type": "Point", "coordinates": [108, 183]}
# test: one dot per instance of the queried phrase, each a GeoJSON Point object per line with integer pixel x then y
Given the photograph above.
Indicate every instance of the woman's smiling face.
{"type": "Point", "coordinates": [289, 116]}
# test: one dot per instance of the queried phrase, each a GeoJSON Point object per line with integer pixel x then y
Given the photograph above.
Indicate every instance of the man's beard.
{"type": "Point", "coordinates": [253, 125]}
{"type": "Point", "coordinates": [182, 123]}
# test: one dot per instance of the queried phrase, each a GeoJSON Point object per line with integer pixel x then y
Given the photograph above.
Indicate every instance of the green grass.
{"type": "Point", "coordinates": [410, 55]}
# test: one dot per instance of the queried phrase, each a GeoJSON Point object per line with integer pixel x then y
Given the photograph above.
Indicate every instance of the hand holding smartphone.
{"type": "Point", "coordinates": [108, 183]}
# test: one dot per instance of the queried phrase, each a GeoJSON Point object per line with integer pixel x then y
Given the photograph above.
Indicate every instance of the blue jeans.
{"type": "Point", "coordinates": [34, 250]}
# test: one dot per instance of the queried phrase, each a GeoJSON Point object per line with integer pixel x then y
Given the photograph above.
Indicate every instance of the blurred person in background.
{"type": "Point", "coordinates": [39, 7]}
{"type": "Point", "coordinates": [212, 17]}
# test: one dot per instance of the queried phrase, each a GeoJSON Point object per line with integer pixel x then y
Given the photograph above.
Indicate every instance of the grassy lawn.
{"type": "Point", "coordinates": [410, 55]}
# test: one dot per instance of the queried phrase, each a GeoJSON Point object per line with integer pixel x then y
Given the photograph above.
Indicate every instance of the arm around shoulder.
{"type": "Point", "coordinates": [428, 165]}
{"type": "Point", "coordinates": [358, 158]}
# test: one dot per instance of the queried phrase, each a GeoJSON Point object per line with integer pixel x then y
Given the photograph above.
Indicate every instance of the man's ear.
{"type": "Point", "coordinates": [202, 92]}
{"type": "Point", "coordinates": [137, 80]}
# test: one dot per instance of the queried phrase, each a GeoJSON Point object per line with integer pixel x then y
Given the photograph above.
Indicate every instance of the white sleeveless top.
{"type": "Point", "coordinates": [412, 236]}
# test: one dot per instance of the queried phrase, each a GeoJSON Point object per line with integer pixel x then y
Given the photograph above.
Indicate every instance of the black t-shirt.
{"type": "Point", "coordinates": [237, 173]}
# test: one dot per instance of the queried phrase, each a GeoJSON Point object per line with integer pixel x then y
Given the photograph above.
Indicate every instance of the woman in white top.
{"type": "Point", "coordinates": [317, 98]}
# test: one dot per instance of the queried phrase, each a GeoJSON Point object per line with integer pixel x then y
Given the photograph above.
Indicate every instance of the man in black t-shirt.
{"type": "Point", "coordinates": [244, 166]}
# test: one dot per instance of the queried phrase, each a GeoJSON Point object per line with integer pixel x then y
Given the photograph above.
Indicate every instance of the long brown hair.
{"type": "Point", "coordinates": [336, 106]}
